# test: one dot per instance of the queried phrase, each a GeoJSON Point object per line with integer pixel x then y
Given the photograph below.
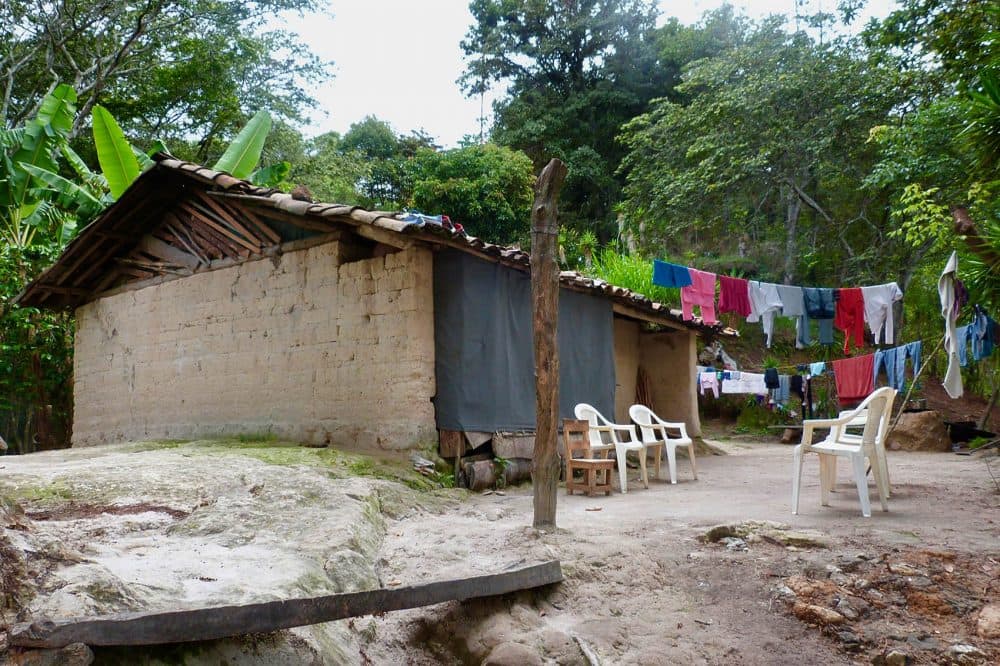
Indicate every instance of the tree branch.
{"type": "Point", "coordinates": [964, 226]}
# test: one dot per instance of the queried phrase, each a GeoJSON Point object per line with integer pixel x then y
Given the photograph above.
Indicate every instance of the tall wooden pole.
{"type": "Point", "coordinates": [545, 311]}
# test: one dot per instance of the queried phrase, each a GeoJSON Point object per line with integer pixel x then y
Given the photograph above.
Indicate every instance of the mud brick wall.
{"type": "Point", "coordinates": [302, 347]}
{"type": "Point", "coordinates": [668, 358]}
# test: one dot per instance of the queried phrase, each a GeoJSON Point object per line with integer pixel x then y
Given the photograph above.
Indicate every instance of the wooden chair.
{"type": "Point", "coordinates": [856, 450]}
{"type": "Point", "coordinates": [656, 435]}
{"type": "Point", "coordinates": [623, 438]}
{"type": "Point", "coordinates": [580, 457]}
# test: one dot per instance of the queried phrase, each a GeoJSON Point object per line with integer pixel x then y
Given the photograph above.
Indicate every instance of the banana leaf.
{"type": "Point", "coordinates": [243, 153]}
{"type": "Point", "coordinates": [114, 152]}
{"type": "Point", "coordinates": [271, 176]}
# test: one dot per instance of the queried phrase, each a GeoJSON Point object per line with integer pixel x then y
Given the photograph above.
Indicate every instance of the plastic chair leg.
{"type": "Point", "coordinates": [672, 462]}
{"type": "Point", "coordinates": [825, 478]}
{"type": "Point", "coordinates": [796, 478]}
{"type": "Point", "coordinates": [861, 481]}
{"type": "Point", "coordinates": [694, 466]}
{"type": "Point", "coordinates": [622, 470]}
{"type": "Point", "coordinates": [658, 458]}
{"type": "Point", "coordinates": [642, 467]}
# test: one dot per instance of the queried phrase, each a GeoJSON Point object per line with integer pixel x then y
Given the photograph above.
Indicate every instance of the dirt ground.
{"type": "Point", "coordinates": [642, 587]}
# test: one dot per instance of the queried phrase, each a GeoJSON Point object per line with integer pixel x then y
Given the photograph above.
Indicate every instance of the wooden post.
{"type": "Point", "coordinates": [545, 311]}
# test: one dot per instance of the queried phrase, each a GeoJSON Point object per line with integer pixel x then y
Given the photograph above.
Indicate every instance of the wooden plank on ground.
{"type": "Point", "coordinates": [202, 624]}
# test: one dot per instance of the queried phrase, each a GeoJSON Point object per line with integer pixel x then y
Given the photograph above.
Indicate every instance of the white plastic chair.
{"type": "Point", "coordinates": [873, 407]}
{"type": "Point", "coordinates": [879, 458]}
{"type": "Point", "coordinates": [654, 431]}
{"type": "Point", "coordinates": [623, 439]}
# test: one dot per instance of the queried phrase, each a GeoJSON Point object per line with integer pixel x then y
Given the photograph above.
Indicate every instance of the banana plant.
{"type": "Point", "coordinates": [24, 209]}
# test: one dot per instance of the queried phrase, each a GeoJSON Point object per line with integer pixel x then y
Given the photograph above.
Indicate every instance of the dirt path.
{"type": "Point", "coordinates": [642, 588]}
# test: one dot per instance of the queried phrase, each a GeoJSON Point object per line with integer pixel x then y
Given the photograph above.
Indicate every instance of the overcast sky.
{"type": "Point", "coordinates": [399, 59]}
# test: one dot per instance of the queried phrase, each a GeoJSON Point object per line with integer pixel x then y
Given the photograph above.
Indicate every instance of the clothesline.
{"type": "Point", "coordinates": [847, 309]}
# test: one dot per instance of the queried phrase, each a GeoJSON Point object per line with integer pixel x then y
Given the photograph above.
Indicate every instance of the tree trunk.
{"type": "Point", "coordinates": [791, 230]}
{"type": "Point", "coordinates": [966, 227]}
{"type": "Point", "coordinates": [545, 310]}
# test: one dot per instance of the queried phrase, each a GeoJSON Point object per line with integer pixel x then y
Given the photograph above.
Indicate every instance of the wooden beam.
{"type": "Point", "coordinates": [198, 213]}
{"type": "Point", "coordinates": [204, 624]}
{"type": "Point", "coordinates": [384, 236]}
{"type": "Point", "coordinates": [264, 228]}
{"type": "Point", "coordinates": [227, 217]}
{"type": "Point", "coordinates": [545, 314]}
{"type": "Point", "coordinates": [157, 248]}
{"type": "Point", "coordinates": [642, 315]}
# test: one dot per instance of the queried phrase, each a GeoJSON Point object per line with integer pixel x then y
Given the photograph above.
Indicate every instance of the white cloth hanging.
{"type": "Point", "coordinates": [878, 310]}
{"type": "Point", "coordinates": [764, 305]}
{"type": "Point", "coordinates": [946, 292]}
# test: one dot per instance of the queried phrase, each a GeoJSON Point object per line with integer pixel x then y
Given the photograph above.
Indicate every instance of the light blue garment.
{"type": "Point", "coordinates": [962, 336]}
{"type": "Point", "coordinates": [784, 390]}
{"type": "Point", "coordinates": [887, 358]}
{"type": "Point", "coordinates": [981, 333]}
{"type": "Point", "coordinates": [898, 378]}
{"type": "Point", "coordinates": [804, 336]}
{"type": "Point", "coordinates": [817, 369]}
{"type": "Point", "coordinates": [913, 350]}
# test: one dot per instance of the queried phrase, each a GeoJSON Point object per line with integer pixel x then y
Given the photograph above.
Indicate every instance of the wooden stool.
{"type": "Point", "coordinates": [579, 457]}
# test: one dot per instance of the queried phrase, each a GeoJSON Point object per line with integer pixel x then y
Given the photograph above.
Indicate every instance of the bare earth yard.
{"type": "Point", "coordinates": [125, 528]}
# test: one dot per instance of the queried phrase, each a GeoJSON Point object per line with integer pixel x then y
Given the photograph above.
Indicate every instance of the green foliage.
{"type": "Point", "coordinates": [243, 154]}
{"type": "Point", "coordinates": [114, 152]}
{"type": "Point", "coordinates": [631, 272]}
{"type": "Point", "coordinates": [759, 150]}
{"type": "Point", "coordinates": [179, 69]}
{"type": "Point", "coordinates": [486, 188]}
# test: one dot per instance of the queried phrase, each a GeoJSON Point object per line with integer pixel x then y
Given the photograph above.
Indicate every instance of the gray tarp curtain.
{"type": "Point", "coordinates": [484, 359]}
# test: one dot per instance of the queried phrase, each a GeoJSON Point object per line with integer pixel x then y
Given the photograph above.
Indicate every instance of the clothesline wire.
{"type": "Point", "coordinates": [795, 366]}
{"type": "Point", "coordinates": [763, 281]}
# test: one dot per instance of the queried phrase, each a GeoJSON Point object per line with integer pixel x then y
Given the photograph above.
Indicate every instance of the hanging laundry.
{"type": "Point", "coordinates": [946, 293]}
{"type": "Point", "coordinates": [764, 305]}
{"type": "Point", "coordinates": [819, 302]}
{"type": "Point", "coordinates": [886, 358]}
{"type": "Point", "coordinates": [878, 310]}
{"type": "Point", "coordinates": [748, 382]}
{"type": "Point", "coordinates": [854, 377]}
{"type": "Point", "coordinates": [700, 292]}
{"type": "Point", "coordinates": [850, 317]}
{"type": "Point", "coordinates": [963, 334]}
{"type": "Point", "coordinates": [797, 386]}
{"type": "Point", "coordinates": [913, 350]}
{"type": "Point", "coordinates": [793, 302]}
{"type": "Point", "coordinates": [817, 369]}
{"type": "Point", "coordinates": [784, 390]}
{"type": "Point", "coordinates": [734, 296]}
{"type": "Point", "coordinates": [710, 381]}
{"type": "Point", "coordinates": [898, 382]}
{"type": "Point", "coordinates": [961, 296]}
{"type": "Point", "coordinates": [771, 378]}
{"type": "Point", "coordinates": [983, 328]}
{"type": "Point", "coordinates": [666, 274]}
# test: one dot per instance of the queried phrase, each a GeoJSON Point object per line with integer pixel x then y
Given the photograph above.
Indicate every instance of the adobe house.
{"type": "Point", "coordinates": [207, 306]}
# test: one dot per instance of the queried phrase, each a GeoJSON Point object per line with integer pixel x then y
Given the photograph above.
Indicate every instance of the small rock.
{"type": "Point", "coordinates": [845, 609]}
{"type": "Point", "coordinates": [923, 642]}
{"type": "Point", "coordinates": [784, 592]}
{"type": "Point", "coordinates": [833, 569]}
{"type": "Point", "coordinates": [988, 625]}
{"type": "Point", "coordinates": [963, 653]}
{"type": "Point", "coordinates": [512, 654]}
{"type": "Point", "coordinates": [896, 658]}
{"type": "Point", "coordinates": [904, 569]}
{"type": "Point", "coordinates": [920, 582]}
{"type": "Point", "coordinates": [861, 584]}
{"type": "Point", "coordinates": [734, 544]}
{"type": "Point", "coordinates": [848, 637]}
{"type": "Point", "coordinates": [840, 579]}
{"type": "Point", "coordinates": [816, 614]}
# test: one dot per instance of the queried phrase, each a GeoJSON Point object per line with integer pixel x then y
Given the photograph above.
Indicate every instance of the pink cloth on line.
{"type": "Point", "coordinates": [855, 377]}
{"type": "Point", "coordinates": [733, 296]}
{"type": "Point", "coordinates": [701, 292]}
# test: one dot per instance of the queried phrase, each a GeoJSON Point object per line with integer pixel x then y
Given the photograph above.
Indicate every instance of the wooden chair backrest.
{"type": "Point", "coordinates": [576, 438]}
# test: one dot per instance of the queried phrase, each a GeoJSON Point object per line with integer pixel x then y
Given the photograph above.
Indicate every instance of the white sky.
{"type": "Point", "coordinates": [399, 59]}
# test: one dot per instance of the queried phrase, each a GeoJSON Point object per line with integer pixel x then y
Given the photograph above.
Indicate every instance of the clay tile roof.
{"type": "Point", "coordinates": [354, 215]}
